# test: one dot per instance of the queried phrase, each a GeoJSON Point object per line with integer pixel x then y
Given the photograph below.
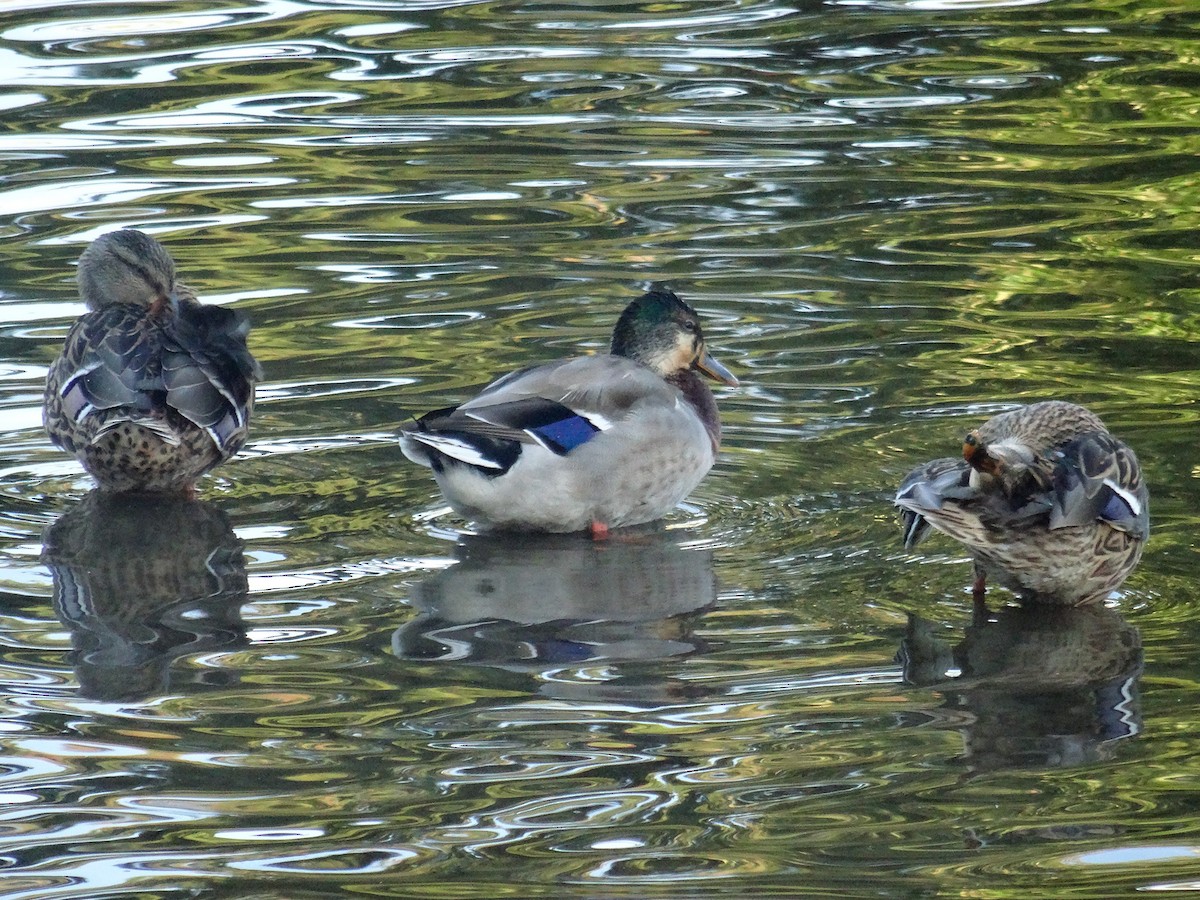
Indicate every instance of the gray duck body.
{"type": "Point", "coordinates": [589, 442]}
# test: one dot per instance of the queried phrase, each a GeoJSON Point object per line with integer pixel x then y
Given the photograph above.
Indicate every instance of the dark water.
{"type": "Point", "coordinates": [896, 218]}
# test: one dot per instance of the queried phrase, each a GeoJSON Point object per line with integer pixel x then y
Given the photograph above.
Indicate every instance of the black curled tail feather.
{"type": "Point", "coordinates": [444, 443]}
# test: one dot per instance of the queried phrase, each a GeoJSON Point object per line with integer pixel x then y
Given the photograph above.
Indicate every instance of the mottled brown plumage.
{"type": "Point", "coordinates": [1047, 502]}
{"type": "Point", "coordinates": [152, 388]}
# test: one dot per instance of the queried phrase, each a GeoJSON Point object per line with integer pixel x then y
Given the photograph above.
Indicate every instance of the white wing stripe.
{"type": "Point", "coordinates": [598, 421]}
{"type": "Point", "coordinates": [456, 449]}
{"type": "Point", "coordinates": [1133, 501]}
{"type": "Point", "coordinates": [77, 374]}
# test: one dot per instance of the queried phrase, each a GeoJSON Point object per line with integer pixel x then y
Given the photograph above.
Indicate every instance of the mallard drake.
{"type": "Point", "coordinates": [593, 442]}
{"type": "Point", "coordinates": [1046, 501]}
{"type": "Point", "coordinates": [152, 388]}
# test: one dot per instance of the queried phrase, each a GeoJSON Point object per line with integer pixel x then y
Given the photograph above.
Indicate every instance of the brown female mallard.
{"type": "Point", "coordinates": [152, 388]}
{"type": "Point", "coordinates": [1047, 502]}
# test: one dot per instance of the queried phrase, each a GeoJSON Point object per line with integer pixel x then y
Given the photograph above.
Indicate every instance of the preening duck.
{"type": "Point", "coordinates": [152, 388]}
{"type": "Point", "coordinates": [1047, 502]}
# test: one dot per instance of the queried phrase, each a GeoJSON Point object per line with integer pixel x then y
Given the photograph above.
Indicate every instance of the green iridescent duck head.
{"type": "Point", "coordinates": [663, 333]}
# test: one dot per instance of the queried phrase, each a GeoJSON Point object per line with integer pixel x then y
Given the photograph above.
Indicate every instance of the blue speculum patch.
{"type": "Point", "coordinates": [1116, 507]}
{"type": "Point", "coordinates": [565, 435]}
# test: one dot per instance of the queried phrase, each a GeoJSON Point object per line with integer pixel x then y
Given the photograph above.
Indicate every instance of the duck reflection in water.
{"type": "Point", "coordinates": [536, 603]}
{"type": "Point", "coordinates": [1032, 686]}
{"type": "Point", "coordinates": [140, 580]}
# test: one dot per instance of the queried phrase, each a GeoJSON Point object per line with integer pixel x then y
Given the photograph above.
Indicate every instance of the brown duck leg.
{"type": "Point", "coordinates": [979, 595]}
{"type": "Point", "coordinates": [979, 585]}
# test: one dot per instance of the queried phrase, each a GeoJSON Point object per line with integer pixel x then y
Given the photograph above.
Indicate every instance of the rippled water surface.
{"type": "Point", "coordinates": [896, 217]}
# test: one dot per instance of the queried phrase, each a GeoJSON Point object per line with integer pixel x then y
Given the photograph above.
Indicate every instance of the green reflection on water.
{"type": "Point", "coordinates": [893, 216]}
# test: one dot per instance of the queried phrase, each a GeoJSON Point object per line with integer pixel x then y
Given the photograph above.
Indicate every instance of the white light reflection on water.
{"type": "Point", "coordinates": [895, 218]}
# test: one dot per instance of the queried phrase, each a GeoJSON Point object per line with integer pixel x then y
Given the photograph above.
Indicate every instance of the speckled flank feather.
{"type": "Point", "coordinates": [592, 442]}
{"type": "Point", "coordinates": [1065, 517]}
{"type": "Point", "coordinates": [152, 388]}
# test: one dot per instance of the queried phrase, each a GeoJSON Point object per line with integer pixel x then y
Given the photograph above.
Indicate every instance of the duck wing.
{"type": "Point", "coordinates": [208, 373]}
{"type": "Point", "coordinates": [1097, 477]}
{"type": "Point", "coordinates": [925, 490]}
{"type": "Point", "coordinates": [939, 494]}
{"type": "Point", "coordinates": [110, 361]}
{"type": "Point", "coordinates": [559, 406]}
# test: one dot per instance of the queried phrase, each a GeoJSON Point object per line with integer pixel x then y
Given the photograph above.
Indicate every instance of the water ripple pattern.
{"type": "Point", "coordinates": [896, 218]}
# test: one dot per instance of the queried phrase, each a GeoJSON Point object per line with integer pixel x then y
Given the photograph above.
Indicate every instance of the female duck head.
{"type": "Point", "coordinates": [663, 333]}
{"type": "Point", "coordinates": [126, 267]}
